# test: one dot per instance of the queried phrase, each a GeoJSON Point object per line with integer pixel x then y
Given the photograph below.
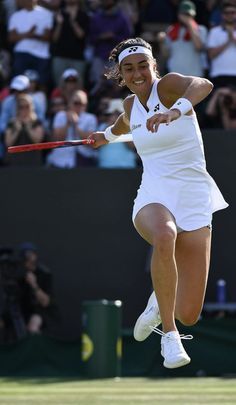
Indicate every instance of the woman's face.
{"type": "Point", "coordinates": [138, 72]}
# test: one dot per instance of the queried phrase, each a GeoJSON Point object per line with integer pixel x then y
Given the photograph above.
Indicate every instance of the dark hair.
{"type": "Point", "coordinates": [113, 71]}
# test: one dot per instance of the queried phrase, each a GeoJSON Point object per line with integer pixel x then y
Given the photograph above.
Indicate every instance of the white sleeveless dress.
{"type": "Point", "coordinates": [174, 167]}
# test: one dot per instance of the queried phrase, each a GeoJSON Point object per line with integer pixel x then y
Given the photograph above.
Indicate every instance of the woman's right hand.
{"type": "Point", "coordinates": [99, 139]}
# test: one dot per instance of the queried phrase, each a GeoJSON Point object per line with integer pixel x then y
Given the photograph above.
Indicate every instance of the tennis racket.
{"type": "Point", "coordinates": [61, 144]}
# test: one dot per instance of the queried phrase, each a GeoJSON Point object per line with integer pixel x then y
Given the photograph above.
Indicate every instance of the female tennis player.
{"type": "Point", "coordinates": [177, 197]}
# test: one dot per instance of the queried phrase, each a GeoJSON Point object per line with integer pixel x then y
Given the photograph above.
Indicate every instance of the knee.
{"type": "Point", "coordinates": [164, 239]}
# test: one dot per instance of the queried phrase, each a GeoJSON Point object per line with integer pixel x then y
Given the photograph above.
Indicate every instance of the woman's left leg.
{"type": "Point", "coordinates": [192, 258]}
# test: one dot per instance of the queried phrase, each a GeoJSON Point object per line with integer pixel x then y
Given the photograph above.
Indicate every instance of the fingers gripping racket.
{"type": "Point", "coordinates": [60, 144]}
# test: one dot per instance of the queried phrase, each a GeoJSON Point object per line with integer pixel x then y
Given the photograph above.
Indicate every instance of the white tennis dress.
{"type": "Point", "coordinates": [174, 167]}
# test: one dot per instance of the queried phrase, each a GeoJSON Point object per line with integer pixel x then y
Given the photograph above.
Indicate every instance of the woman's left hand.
{"type": "Point", "coordinates": [153, 122]}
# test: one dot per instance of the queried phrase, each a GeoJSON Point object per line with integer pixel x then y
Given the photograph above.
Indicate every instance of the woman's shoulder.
{"type": "Point", "coordinates": [170, 87]}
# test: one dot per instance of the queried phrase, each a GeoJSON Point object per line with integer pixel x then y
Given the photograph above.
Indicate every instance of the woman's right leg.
{"type": "Point", "coordinates": [156, 225]}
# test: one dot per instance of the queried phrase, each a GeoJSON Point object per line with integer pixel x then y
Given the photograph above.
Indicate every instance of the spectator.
{"type": "Point", "coordinates": [184, 42]}
{"type": "Point", "coordinates": [222, 48]}
{"type": "Point", "coordinates": [221, 109]}
{"type": "Point", "coordinates": [12, 324]}
{"type": "Point", "coordinates": [36, 289]}
{"type": "Point", "coordinates": [75, 123]}
{"type": "Point", "coordinates": [23, 129]}
{"type": "Point", "coordinates": [71, 26]}
{"type": "Point", "coordinates": [35, 91]}
{"type": "Point", "coordinates": [69, 82]}
{"type": "Point", "coordinates": [108, 26]}
{"type": "Point", "coordinates": [117, 155]}
{"type": "Point", "coordinates": [29, 30]}
{"type": "Point", "coordinates": [212, 12]}
{"type": "Point", "coordinates": [19, 84]}
{"type": "Point", "coordinates": [56, 104]}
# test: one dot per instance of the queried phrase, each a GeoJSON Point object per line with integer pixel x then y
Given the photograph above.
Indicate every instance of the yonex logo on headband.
{"type": "Point", "coordinates": [134, 49]}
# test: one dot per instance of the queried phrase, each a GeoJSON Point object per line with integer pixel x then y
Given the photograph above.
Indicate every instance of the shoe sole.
{"type": "Point", "coordinates": [139, 319]}
{"type": "Point", "coordinates": [182, 363]}
{"type": "Point", "coordinates": [136, 326]}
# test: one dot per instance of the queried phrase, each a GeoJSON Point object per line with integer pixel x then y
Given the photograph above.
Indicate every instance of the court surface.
{"type": "Point", "coordinates": [128, 391]}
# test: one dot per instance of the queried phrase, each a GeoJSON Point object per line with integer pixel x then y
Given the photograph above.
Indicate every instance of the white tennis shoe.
{"type": "Point", "coordinates": [172, 349]}
{"type": "Point", "coordinates": [149, 319]}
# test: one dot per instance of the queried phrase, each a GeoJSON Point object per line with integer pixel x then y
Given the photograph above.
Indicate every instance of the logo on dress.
{"type": "Point", "coordinates": [133, 49]}
{"type": "Point", "coordinates": [135, 127]}
{"type": "Point", "coordinates": [157, 108]}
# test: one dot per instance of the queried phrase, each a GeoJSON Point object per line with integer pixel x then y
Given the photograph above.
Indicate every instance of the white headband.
{"type": "Point", "coordinates": [134, 49]}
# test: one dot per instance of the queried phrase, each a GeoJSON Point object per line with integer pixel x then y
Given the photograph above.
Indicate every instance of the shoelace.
{"type": "Point", "coordinates": [160, 332]}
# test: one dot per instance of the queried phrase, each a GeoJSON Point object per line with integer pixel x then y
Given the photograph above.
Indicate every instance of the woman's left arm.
{"type": "Point", "coordinates": [174, 86]}
{"type": "Point", "coordinates": [179, 94]}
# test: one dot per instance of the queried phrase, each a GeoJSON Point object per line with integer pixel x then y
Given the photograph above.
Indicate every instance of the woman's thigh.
{"type": "Point", "coordinates": [154, 219]}
{"type": "Point", "coordinates": [192, 255]}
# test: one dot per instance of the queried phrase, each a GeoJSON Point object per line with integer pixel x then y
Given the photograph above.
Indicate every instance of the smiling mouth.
{"type": "Point", "coordinates": [138, 83]}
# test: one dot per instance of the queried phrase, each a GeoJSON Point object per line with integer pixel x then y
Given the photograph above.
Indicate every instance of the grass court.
{"type": "Point", "coordinates": [124, 391]}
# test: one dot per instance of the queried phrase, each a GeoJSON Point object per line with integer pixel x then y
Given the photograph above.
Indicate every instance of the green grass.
{"type": "Point", "coordinates": [127, 391]}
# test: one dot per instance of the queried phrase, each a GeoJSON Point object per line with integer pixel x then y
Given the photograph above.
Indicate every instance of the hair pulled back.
{"type": "Point", "coordinates": [113, 71]}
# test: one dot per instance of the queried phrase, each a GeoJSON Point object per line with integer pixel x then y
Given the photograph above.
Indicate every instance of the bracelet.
{"type": "Point", "coordinates": [183, 105]}
{"type": "Point", "coordinates": [109, 136]}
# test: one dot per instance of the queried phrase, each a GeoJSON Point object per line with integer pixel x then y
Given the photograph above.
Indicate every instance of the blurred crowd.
{"type": "Point", "coordinates": [26, 293]}
{"type": "Point", "coordinates": [53, 55]}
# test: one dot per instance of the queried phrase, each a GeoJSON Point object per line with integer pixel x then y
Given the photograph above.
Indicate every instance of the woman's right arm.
{"type": "Point", "coordinates": [120, 127]}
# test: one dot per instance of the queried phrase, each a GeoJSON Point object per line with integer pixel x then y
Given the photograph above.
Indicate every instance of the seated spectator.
{"type": "Point", "coordinates": [29, 30]}
{"type": "Point", "coordinates": [75, 123]}
{"type": "Point", "coordinates": [221, 108]}
{"type": "Point", "coordinates": [12, 323]}
{"type": "Point", "coordinates": [117, 155]}
{"type": "Point", "coordinates": [69, 35]}
{"type": "Point", "coordinates": [24, 128]}
{"type": "Point", "coordinates": [69, 82]}
{"type": "Point", "coordinates": [222, 48]}
{"type": "Point", "coordinates": [56, 104]}
{"type": "Point", "coordinates": [19, 85]}
{"type": "Point", "coordinates": [184, 42]}
{"type": "Point", "coordinates": [35, 91]}
{"type": "Point", "coordinates": [36, 289]}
